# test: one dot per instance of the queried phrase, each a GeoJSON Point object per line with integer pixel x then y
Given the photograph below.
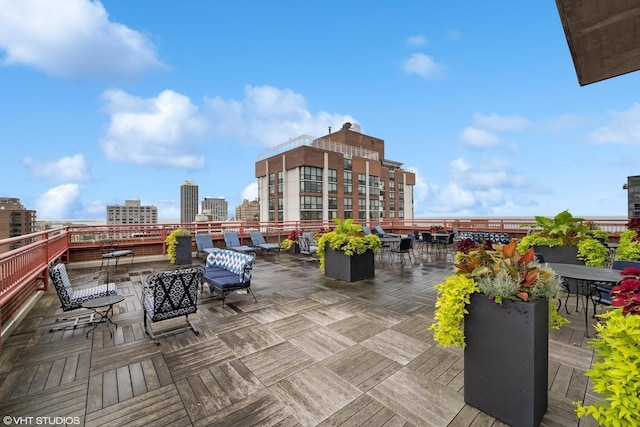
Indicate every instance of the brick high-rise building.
{"type": "Point", "coordinates": [132, 213]}
{"type": "Point", "coordinates": [248, 211]}
{"type": "Point", "coordinates": [188, 201]}
{"type": "Point", "coordinates": [215, 209]}
{"type": "Point", "coordinates": [343, 174]}
{"type": "Point", "coordinates": [15, 220]}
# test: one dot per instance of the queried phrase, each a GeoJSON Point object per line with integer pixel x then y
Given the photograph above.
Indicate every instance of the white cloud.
{"type": "Point", "coordinates": [155, 131]}
{"type": "Point", "coordinates": [476, 137]}
{"type": "Point", "coordinates": [622, 128]}
{"type": "Point", "coordinates": [269, 116]}
{"type": "Point", "coordinates": [422, 65]}
{"type": "Point", "coordinates": [65, 169]}
{"type": "Point", "coordinates": [497, 123]}
{"type": "Point", "coordinates": [59, 202]}
{"type": "Point", "coordinates": [72, 38]}
{"type": "Point", "coordinates": [418, 40]}
{"type": "Point", "coordinates": [250, 192]}
{"type": "Point", "coordinates": [481, 188]}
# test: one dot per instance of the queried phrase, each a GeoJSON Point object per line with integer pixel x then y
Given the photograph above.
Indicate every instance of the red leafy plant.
{"type": "Point", "coordinates": [626, 293]}
{"type": "Point", "coordinates": [503, 273]}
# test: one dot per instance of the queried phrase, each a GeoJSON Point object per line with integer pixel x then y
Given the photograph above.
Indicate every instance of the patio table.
{"type": "Point", "coordinates": [587, 278]}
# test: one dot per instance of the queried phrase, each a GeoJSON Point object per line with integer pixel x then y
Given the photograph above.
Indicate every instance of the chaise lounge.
{"type": "Point", "coordinates": [227, 271]}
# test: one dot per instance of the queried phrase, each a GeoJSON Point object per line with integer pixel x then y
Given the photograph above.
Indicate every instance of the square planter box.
{"type": "Point", "coordinates": [183, 250]}
{"type": "Point", "coordinates": [506, 359]}
{"type": "Point", "coordinates": [294, 249]}
{"type": "Point", "coordinates": [348, 268]}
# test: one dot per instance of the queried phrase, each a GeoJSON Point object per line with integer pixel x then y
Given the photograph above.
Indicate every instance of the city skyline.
{"type": "Point", "coordinates": [105, 102]}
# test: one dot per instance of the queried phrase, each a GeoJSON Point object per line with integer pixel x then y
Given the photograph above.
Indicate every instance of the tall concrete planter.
{"type": "Point", "coordinates": [183, 250]}
{"type": "Point", "coordinates": [506, 359]}
{"type": "Point", "coordinates": [348, 268]}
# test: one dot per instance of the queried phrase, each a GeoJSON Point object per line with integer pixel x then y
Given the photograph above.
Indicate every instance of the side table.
{"type": "Point", "coordinates": [103, 306]}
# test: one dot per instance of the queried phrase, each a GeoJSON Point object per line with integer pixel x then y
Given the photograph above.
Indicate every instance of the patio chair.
{"type": "Point", "coordinates": [204, 244]}
{"type": "Point", "coordinates": [71, 298]}
{"type": "Point", "coordinates": [404, 248]}
{"type": "Point", "coordinates": [232, 242]}
{"type": "Point", "coordinates": [602, 294]}
{"type": "Point", "coordinates": [110, 251]}
{"type": "Point", "coordinates": [257, 240]}
{"type": "Point", "coordinates": [307, 244]}
{"type": "Point", "coordinates": [170, 294]}
{"type": "Point", "coordinates": [381, 233]}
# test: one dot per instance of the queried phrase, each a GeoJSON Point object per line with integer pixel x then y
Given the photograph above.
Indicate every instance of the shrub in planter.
{"type": "Point", "coordinates": [566, 230]}
{"type": "Point", "coordinates": [615, 375]}
{"type": "Point", "coordinates": [346, 237]}
{"type": "Point", "coordinates": [629, 248]}
{"type": "Point", "coordinates": [172, 242]}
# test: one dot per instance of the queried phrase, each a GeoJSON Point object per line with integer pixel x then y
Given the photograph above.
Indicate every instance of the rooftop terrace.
{"type": "Point", "coordinates": [311, 351]}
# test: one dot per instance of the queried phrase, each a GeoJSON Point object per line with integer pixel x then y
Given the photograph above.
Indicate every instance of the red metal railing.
{"type": "Point", "coordinates": [25, 259]}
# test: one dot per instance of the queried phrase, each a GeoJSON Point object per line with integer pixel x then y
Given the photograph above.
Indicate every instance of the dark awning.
{"type": "Point", "coordinates": [603, 37]}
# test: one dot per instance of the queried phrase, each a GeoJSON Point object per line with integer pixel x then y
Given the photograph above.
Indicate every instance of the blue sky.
{"type": "Point", "coordinates": [102, 102]}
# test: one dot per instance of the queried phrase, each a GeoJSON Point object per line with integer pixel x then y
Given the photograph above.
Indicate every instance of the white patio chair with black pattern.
{"type": "Point", "coordinates": [170, 294]}
{"type": "Point", "coordinates": [87, 287]}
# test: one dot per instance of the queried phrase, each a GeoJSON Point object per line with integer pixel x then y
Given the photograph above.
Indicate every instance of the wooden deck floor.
{"type": "Point", "coordinates": [311, 352]}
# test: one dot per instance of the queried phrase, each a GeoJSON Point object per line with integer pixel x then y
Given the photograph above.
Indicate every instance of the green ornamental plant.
{"type": "Point", "coordinates": [348, 238]}
{"type": "Point", "coordinates": [615, 375]}
{"type": "Point", "coordinates": [290, 240]}
{"type": "Point", "coordinates": [172, 242]}
{"type": "Point", "coordinates": [501, 273]}
{"type": "Point", "coordinates": [566, 230]}
{"type": "Point", "coordinates": [629, 248]}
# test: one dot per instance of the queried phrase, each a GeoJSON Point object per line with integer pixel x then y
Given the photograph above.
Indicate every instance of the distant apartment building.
{"type": "Point", "coordinates": [633, 196]}
{"type": "Point", "coordinates": [15, 219]}
{"type": "Point", "coordinates": [132, 213]}
{"type": "Point", "coordinates": [213, 209]}
{"type": "Point", "coordinates": [343, 174]}
{"type": "Point", "coordinates": [188, 201]}
{"type": "Point", "coordinates": [248, 211]}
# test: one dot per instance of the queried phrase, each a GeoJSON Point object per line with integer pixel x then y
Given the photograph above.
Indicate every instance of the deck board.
{"type": "Point", "coordinates": [312, 351]}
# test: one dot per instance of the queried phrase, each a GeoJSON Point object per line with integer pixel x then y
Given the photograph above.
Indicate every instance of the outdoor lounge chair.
{"type": "Point", "coordinates": [204, 244]}
{"type": "Point", "coordinates": [381, 233]}
{"type": "Point", "coordinates": [232, 241]}
{"type": "Point", "coordinates": [307, 244]}
{"type": "Point", "coordinates": [257, 240]}
{"type": "Point", "coordinates": [71, 298]}
{"type": "Point", "coordinates": [171, 294]}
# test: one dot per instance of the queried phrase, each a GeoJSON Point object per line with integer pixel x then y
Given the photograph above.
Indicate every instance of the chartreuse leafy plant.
{"type": "Point", "coordinates": [501, 273]}
{"type": "Point", "coordinates": [616, 373]}
{"type": "Point", "coordinates": [629, 248]}
{"type": "Point", "coordinates": [348, 238]}
{"type": "Point", "coordinates": [172, 242]}
{"type": "Point", "coordinates": [566, 230]}
{"type": "Point", "coordinates": [454, 294]}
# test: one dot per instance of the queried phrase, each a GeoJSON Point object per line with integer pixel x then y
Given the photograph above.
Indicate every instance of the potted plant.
{"type": "Point", "coordinates": [629, 247]}
{"type": "Point", "coordinates": [615, 375]}
{"type": "Point", "coordinates": [346, 252]}
{"type": "Point", "coordinates": [179, 246]}
{"type": "Point", "coordinates": [497, 306]}
{"type": "Point", "coordinates": [567, 239]}
{"type": "Point", "coordinates": [290, 243]}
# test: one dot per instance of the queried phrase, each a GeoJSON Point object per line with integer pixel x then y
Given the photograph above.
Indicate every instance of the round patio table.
{"type": "Point", "coordinates": [103, 307]}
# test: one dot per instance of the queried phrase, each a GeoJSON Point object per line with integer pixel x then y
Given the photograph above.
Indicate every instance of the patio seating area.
{"type": "Point", "coordinates": [311, 351]}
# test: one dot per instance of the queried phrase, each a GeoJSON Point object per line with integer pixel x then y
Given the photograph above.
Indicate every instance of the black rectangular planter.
{"type": "Point", "coordinates": [183, 250]}
{"type": "Point", "coordinates": [348, 268]}
{"type": "Point", "coordinates": [506, 359]}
